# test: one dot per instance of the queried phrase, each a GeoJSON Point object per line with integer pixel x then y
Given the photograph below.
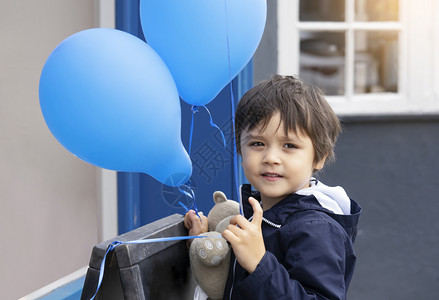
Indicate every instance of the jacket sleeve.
{"type": "Point", "coordinates": [313, 267]}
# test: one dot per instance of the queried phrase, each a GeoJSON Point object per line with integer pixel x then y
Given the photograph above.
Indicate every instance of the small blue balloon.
{"type": "Point", "coordinates": [205, 43]}
{"type": "Point", "coordinates": [109, 99]}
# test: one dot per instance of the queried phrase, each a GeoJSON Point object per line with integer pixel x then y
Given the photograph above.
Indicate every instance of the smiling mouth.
{"type": "Point", "coordinates": [271, 175]}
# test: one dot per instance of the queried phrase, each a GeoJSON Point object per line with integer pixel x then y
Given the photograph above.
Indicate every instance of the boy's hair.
{"type": "Point", "coordinates": [302, 108]}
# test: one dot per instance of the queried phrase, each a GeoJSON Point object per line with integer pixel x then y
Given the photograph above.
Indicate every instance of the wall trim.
{"type": "Point", "coordinates": [390, 118]}
{"type": "Point", "coordinates": [105, 13]}
{"type": "Point", "coordinates": [107, 180]}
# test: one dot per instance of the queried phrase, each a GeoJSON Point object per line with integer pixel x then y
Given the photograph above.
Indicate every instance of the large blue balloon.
{"type": "Point", "coordinates": [205, 43]}
{"type": "Point", "coordinates": [109, 99]}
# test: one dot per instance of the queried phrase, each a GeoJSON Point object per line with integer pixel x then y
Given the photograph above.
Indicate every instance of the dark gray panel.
{"type": "Point", "coordinates": [391, 168]}
{"type": "Point", "coordinates": [265, 58]}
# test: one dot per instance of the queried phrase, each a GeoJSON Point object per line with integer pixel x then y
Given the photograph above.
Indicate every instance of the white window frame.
{"type": "Point", "coordinates": [418, 58]}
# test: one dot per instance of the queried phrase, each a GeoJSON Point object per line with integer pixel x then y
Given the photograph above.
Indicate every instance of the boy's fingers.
{"type": "Point", "coordinates": [200, 224]}
{"type": "Point", "coordinates": [234, 229]}
{"type": "Point", "coordinates": [203, 220]}
{"type": "Point", "coordinates": [239, 220]}
{"type": "Point", "coordinates": [191, 218]}
{"type": "Point", "coordinates": [188, 220]}
{"type": "Point", "coordinates": [257, 210]}
{"type": "Point", "coordinates": [229, 236]}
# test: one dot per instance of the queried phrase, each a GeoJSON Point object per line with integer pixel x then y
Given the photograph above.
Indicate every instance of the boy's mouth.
{"type": "Point", "coordinates": [271, 175]}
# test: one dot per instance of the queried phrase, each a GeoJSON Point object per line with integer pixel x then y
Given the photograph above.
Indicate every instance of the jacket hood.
{"type": "Point", "coordinates": [334, 199]}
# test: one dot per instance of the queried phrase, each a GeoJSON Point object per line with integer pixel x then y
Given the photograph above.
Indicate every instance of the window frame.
{"type": "Point", "coordinates": [412, 97]}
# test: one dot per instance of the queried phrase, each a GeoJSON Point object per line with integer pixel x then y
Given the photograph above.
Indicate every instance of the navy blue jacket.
{"type": "Point", "coordinates": [309, 253]}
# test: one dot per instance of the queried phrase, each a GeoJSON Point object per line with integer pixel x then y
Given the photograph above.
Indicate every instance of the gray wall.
{"type": "Point", "coordinates": [390, 166]}
{"type": "Point", "coordinates": [48, 197]}
{"type": "Point", "coordinates": [265, 58]}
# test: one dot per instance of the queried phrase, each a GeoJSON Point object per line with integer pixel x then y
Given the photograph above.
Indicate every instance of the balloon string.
{"type": "Point", "coordinates": [194, 110]}
{"type": "Point", "coordinates": [232, 100]}
{"type": "Point", "coordinates": [215, 126]}
{"type": "Point", "coordinates": [190, 194]}
{"type": "Point", "coordinates": [114, 244]}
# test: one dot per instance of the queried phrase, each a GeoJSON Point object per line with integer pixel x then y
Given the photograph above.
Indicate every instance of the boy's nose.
{"type": "Point", "coordinates": [271, 157]}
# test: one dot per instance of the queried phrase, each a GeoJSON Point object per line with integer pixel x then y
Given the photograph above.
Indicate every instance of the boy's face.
{"type": "Point", "coordinates": [277, 164]}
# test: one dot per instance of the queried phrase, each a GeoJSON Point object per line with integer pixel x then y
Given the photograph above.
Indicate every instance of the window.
{"type": "Point", "coordinates": [369, 56]}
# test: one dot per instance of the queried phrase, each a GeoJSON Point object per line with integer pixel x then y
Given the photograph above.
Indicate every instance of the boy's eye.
{"type": "Point", "coordinates": [290, 146]}
{"type": "Point", "coordinates": [256, 144]}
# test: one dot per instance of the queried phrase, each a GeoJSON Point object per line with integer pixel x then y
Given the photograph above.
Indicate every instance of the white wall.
{"type": "Point", "coordinates": [48, 197]}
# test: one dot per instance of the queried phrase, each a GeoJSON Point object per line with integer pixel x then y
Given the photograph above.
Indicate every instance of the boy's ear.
{"type": "Point", "coordinates": [319, 165]}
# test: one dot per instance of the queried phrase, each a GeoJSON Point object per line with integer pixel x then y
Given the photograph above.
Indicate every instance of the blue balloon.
{"type": "Point", "coordinates": [205, 43]}
{"type": "Point", "coordinates": [109, 99]}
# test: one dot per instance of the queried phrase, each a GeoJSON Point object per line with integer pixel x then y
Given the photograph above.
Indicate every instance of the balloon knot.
{"type": "Point", "coordinates": [194, 109]}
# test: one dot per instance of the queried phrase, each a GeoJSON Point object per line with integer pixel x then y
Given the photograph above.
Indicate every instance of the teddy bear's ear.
{"type": "Point", "coordinates": [219, 196]}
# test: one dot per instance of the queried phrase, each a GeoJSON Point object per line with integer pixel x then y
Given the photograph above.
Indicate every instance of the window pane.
{"type": "Point", "coordinates": [376, 61]}
{"type": "Point", "coordinates": [322, 10]}
{"type": "Point", "coordinates": [322, 60]}
{"type": "Point", "coordinates": [376, 10]}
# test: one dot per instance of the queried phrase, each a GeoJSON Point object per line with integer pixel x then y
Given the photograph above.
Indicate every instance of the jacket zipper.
{"type": "Point", "coordinates": [268, 222]}
{"type": "Point", "coordinates": [233, 280]}
{"type": "Point", "coordinates": [271, 223]}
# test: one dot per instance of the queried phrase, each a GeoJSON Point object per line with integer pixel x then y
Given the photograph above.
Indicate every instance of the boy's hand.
{"type": "Point", "coordinates": [194, 224]}
{"type": "Point", "coordinates": [246, 240]}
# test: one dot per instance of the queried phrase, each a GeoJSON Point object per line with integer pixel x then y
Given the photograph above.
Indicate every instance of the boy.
{"type": "Point", "coordinates": [295, 238]}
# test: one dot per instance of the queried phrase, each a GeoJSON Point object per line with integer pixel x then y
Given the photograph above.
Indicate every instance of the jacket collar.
{"type": "Point", "coordinates": [293, 203]}
{"type": "Point", "coordinates": [279, 212]}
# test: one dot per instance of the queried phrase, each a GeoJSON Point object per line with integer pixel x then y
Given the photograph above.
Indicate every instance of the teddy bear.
{"type": "Point", "coordinates": [210, 256]}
